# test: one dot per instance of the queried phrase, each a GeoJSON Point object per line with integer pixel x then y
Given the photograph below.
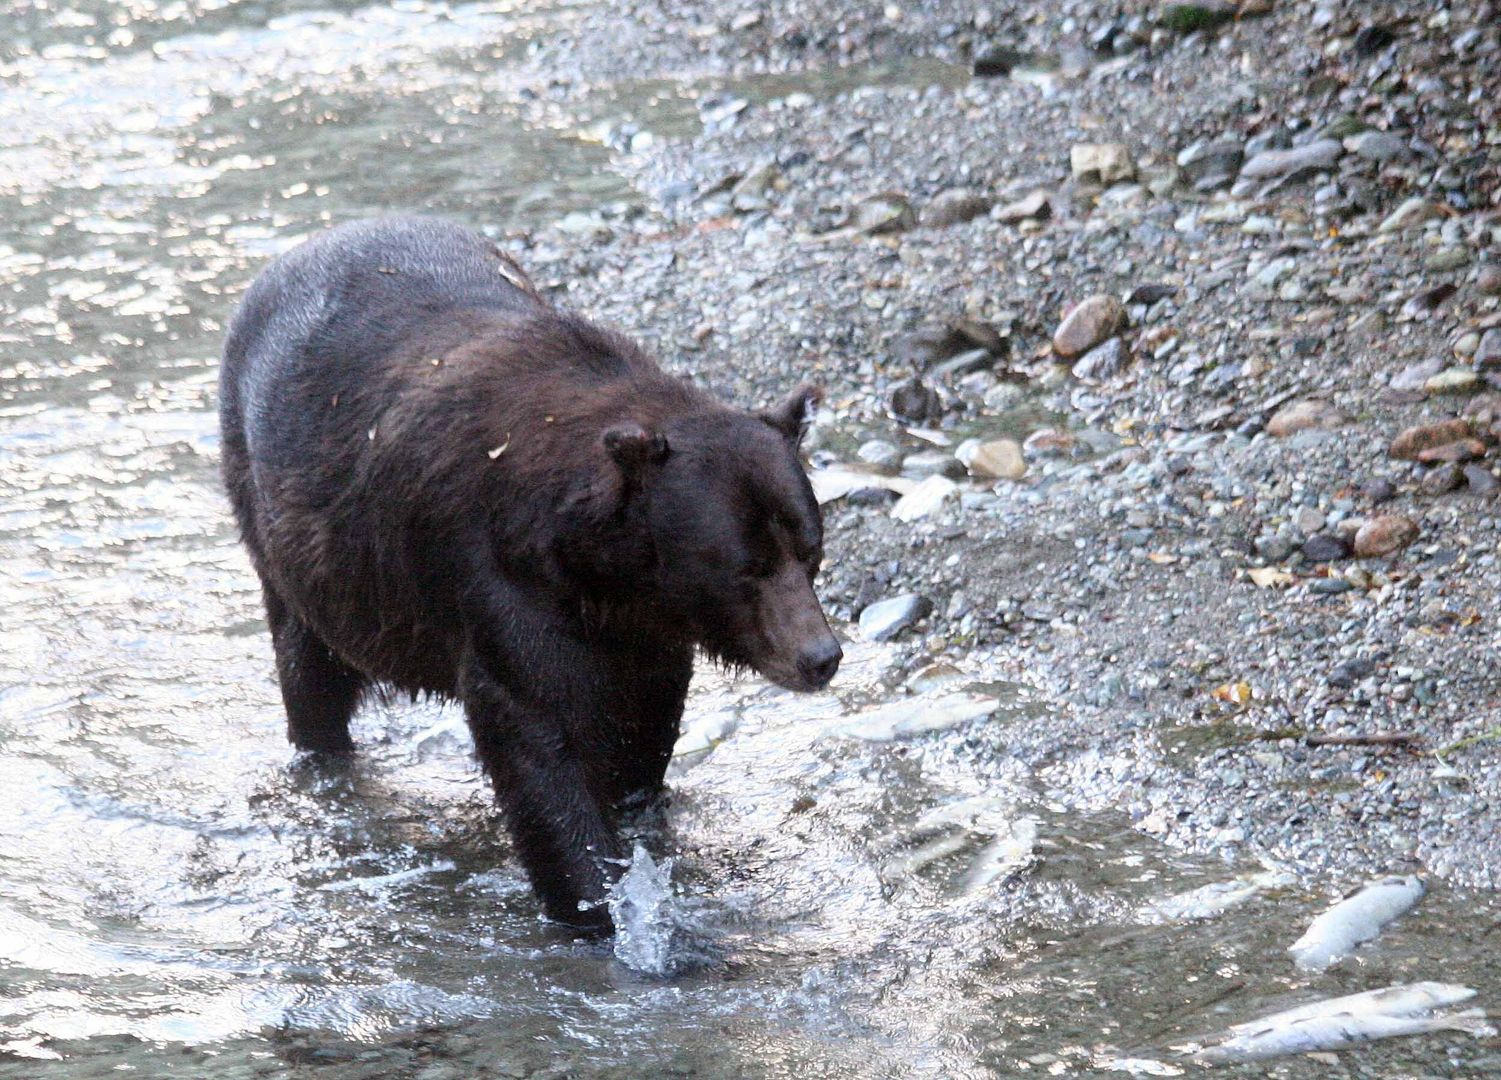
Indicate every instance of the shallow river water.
{"type": "Point", "coordinates": [181, 897]}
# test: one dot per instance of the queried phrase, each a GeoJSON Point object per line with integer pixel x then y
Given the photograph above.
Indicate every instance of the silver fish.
{"type": "Point", "coordinates": [1336, 1032]}
{"type": "Point", "coordinates": [1008, 853]}
{"type": "Point", "coordinates": [1353, 920]}
{"type": "Point", "coordinates": [1403, 999]}
{"type": "Point", "coordinates": [1208, 901]}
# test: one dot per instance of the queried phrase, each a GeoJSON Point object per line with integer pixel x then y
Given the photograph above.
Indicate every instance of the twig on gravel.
{"type": "Point", "coordinates": [1320, 738]}
{"type": "Point", "coordinates": [1375, 738]}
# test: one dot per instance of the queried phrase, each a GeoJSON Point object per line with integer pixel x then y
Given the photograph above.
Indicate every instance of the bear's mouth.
{"type": "Point", "coordinates": [791, 677]}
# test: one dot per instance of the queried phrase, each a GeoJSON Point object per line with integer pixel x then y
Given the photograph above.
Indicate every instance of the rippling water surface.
{"type": "Point", "coordinates": [179, 897]}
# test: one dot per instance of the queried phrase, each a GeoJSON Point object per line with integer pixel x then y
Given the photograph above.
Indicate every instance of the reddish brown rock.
{"type": "Point", "coordinates": [1459, 450]}
{"type": "Point", "coordinates": [1384, 535]}
{"type": "Point", "coordinates": [1087, 325]}
{"type": "Point", "coordinates": [1412, 442]}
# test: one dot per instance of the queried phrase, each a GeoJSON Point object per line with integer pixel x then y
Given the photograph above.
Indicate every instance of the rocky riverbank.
{"type": "Point", "coordinates": [1163, 300]}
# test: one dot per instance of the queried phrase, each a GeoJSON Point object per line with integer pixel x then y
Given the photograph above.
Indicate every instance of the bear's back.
{"type": "Point", "coordinates": [334, 308]}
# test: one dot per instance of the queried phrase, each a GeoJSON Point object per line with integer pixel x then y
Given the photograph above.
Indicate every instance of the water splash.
{"type": "Point", "coordinates": [651, 935]}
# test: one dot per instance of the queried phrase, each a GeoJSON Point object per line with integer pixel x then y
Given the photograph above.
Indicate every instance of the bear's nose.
{"type": "Point", "coordinates": [820, 660]}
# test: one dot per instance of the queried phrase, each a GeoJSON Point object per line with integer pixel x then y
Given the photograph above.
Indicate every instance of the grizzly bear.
{"type": "Point", "coordinates": [448, 486]}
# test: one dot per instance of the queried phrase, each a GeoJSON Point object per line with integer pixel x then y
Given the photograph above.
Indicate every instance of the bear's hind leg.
{"type": "Point", "coordinates": [319, 690]}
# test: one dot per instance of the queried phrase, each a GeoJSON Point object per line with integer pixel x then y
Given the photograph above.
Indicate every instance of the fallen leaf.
{"type": "Point", "coordinates": [1268, 577]}
{"type": "Point", "coordinates": [1238, 693]}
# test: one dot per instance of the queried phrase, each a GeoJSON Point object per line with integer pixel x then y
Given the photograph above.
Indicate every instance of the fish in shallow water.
{"type": "Point", "coordinates": [1355, 919]}
{"type": "Point", "coordinates": [1340, 1022]}
{"type": "Point", "coordinates": [1209, 901]}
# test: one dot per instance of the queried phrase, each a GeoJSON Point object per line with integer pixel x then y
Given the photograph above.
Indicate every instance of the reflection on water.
{"type": "Point", "coordinates": [178, 896]}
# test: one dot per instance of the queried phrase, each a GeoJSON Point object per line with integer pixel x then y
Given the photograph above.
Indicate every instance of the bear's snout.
{"type": "Point", "coordinates": [795, 647]}
{"type": "Point", "coordinates": [819, 662]}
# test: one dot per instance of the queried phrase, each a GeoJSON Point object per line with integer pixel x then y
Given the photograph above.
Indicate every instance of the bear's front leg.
{"type": "Point", "coordinates": [565, 840]}
{"type": "Point", "coordinates": [651, 688]}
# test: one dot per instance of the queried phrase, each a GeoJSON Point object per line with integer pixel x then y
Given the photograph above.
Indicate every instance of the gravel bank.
{"type": "Point", "coordinates": [1299, 210]}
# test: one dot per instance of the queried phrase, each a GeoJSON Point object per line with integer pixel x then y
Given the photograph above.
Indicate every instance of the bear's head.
{"type": "Point", "coordinates": [734, 533]}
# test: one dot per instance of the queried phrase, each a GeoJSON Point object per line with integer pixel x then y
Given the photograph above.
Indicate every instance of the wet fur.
{"type": "Point", "coordinates": [412, 444]}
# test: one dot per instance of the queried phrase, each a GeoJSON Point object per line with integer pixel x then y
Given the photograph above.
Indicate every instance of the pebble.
{"type": "Point", "coordinates": [880, 453]}
{"type": "Point", "coordinates": [1384, 535]}
{"type": "Point", "coordinates": [916, 402]}
{"type": "Point", "coordinates": [1321, 154]}
{"type": "Point", "coordinates": [1416, 376]}
{"type": "Point", "coordinates": [1210, 164]}
{"type": "Point", "coordinates": [1445, 259]}
{"type": "Point", "coordinates": [1465, 345]}
{"type": "Point", "coordinates": [1414, 440]}
{"type": "Point", "coordinates": [1488, 351]}
{"type": "Point", "coordinates": [1104, 361]}
{"type": "Point", "coordinates": [1378, 146]}
{"type": "Point", "coordinates": [1488, 279]}
{"type": "Point", "coordinates": [1302, 415]}
{"type": "Point", "coordinates": [1087, 325]}
{"type": "Point", "coordinates": [932, 463]}
{"type": "Point", "coordinates": [1325, 547]}
{"type": "Point", "coordinates": [1274, 548]}
{"type": "Point", "coordinates": [1415, 211]}
{"type": "Point", "coordinates": [885, 619]}
{"type": "Point", "coordinates": [1379, 490]}
{"type": "Point", "coordinates": [1309, 520]}
{"type": "Point", "coordinates": [999, 459]}
{"type": "Point", "coordinates": [1330, 586]}
{"type": "Point", "coordinates": [1442, 480]}
{"type": "Point", "coordinates": [953, 207]}
{"type": "Point", "coordinates": [1105, 163]}
{"type": "Point", "coordinates": [877, 215]}
{"type": "Point", "coordinates": [1034, 207]}
{"type": "Point", "coordinates": [1481, 480]}
{"type": "Point", "coordinates": [1455, 380]}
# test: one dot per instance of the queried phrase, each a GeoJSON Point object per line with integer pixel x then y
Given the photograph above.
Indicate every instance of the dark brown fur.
{"type": "Point", "coordinates": [449, 487]}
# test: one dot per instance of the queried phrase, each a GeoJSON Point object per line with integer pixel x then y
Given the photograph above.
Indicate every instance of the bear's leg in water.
{"type": "Point", "coordinates": [319, 690]}
{"type": "Point", "coordinates": [563, 837]}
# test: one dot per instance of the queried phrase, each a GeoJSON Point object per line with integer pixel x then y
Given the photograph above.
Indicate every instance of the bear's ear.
{"type": "Point", "coordinates": [794, 416]}
{"type": "Point", "coordinates": [634, 447]}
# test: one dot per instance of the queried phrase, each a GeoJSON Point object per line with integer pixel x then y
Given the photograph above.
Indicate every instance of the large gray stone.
{"type": "Point", "coordinates": [1270, 164]}
{"type": "Point", "coordinates": [885, 619]}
